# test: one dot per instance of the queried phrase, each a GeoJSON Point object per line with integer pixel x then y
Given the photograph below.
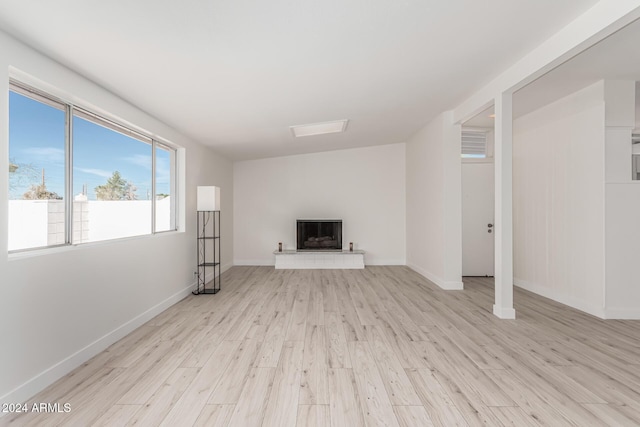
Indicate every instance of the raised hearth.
{"type": "Point", "coordinates": [290, 259]}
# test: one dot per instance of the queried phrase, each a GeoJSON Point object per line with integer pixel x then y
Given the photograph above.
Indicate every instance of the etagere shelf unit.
{"type": "Point", "coordinates": [208, 241]}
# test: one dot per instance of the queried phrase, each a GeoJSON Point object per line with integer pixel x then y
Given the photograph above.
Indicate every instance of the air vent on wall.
{"type": "Point", "coordinates": [474, 144]}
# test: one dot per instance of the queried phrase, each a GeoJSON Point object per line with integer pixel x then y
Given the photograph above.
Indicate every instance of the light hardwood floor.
{"type": "Point", "coordinates": [380, 346]}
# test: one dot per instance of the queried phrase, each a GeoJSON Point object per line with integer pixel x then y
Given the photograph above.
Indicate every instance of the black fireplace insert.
{"type": "Point", "coordinates": [319, 234]}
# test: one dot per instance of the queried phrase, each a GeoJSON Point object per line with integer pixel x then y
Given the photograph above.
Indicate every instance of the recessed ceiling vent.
{"type": "Point", "coordinates": [319, 128]}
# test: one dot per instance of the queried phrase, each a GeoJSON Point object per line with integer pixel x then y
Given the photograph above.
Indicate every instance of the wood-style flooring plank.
{"type": "Point", "coordinates": [117, 415]}
{"type": "Point", "coordinates": [215, 416]}
{"type": "Point", "coordinates": [456, 367]}
{"type": "Point", "coordinates": [313, 416]}
{"type": "Point", "coordinates": [353, 329]}
{"type": "Point", "coordinates": [298, 323]}
{"type": "Point", "coordinates": [366, 314]}
{"type": "Point", "coordinates": [231, 383]}
{"type": "Point", "coordinates": [336, 341]}
{"type": "Point", "coordinates": [435, 399]}
{"type": "Point", "coordinates": [376, 346]}
{"type": "Point", "coordinates": [412, 416]}
{"type": "Point", "coordinates": [375, 401]}
{"type": "Point", "coordinates": [249, 411]}
{"type": "Point", "coordinates": [345, 406]}
{"type": "Point", "coordinates": [314, 388]}
{"type": "Point", "coordinates": [315, 311]}
{"type": "Point", "coordinates": [143, 389]}
{"type": "Point", "coordinates": [540, 404]}
{"type": "Point", "coordinates": [514, 416]}
{"type": "Point", "coordinates": [329, 295]}
{"type": "Point", "coordinates": [396, 382]}
{"type": "Point", "coordinates": [164, 398]}
{"type": "Point", "coordinates": [283, 401]}
{"type": "Point", "coordinates": [602, 385]}
{"type": "Point", "coordinates": [273, 340]}
{"type": "Point", "coordinates": [613, 415]}
{"type": "Point", "coordinates": [204, 347]}
{"type": "Point", "coordinates": [187, 409]}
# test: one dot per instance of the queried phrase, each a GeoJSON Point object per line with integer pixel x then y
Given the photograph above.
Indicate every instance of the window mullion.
{"type": "Point", "coordinates": [68, 196]}
{"type": "Point", "coordinates": [153, 186]}
{"type": "Point", "coordinates": [173, 185]}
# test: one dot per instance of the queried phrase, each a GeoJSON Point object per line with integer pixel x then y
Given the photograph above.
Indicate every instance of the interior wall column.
{"type": "Point", "coordinates": [503, 158]}
{"type": "Point", "coordinates": [452, 139]}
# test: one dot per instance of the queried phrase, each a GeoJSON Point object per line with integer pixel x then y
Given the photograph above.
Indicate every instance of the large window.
{"type": "Point", "coordinates": [76, 177]}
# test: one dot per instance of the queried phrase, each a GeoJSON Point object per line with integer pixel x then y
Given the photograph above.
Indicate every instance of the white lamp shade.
{"type": "Point", "coordinates": [208, 198]}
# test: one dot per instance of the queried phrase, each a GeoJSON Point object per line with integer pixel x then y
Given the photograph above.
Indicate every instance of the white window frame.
{"type": "Point", "coordinates": [71, 108]}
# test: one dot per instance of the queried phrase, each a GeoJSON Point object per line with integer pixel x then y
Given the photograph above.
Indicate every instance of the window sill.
{"type": "Point", "coordinates": [476, 160]}
{"type": "Point", "coordinates": [49, 250]}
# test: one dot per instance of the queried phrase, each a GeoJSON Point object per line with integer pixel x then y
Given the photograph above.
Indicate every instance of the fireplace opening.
{"type": "Point", "coordinates": [319, 234]}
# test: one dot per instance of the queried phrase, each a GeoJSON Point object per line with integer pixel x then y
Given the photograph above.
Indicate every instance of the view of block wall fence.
{"type": "Point", "coordinates": [38, 223]}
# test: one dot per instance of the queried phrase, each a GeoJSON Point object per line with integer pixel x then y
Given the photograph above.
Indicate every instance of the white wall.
{"type": "Point", "coordinates": [58, 307]}
{"type": "Point", "coordinates": [575, 204]}
{"type": "Point", "coordinates": [637, 120]}
{"type": "Point", "coordinates": [623, 253]}
{"type": "Point", "coordinates": [434, 239]}
{"type": "Point", "coordinates": [425, 217]}
{"type": "Point", "coordinates": [622, 204]}
{"type": "Point", "coordinates": [558, 200]}
{"type": "Point", "coordinates": [364, 187]}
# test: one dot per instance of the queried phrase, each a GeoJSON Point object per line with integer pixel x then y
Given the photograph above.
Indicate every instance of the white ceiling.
{"type": "Point", "coordinates": [616, 58]}
{"type": "Point", "coordinates": [236, 74]}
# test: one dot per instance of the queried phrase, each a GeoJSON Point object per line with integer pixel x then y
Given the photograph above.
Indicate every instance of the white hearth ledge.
{"type": "Point", "coordinates": [290, 259]}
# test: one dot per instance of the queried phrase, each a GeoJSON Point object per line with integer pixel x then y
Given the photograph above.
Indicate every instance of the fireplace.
{"type": "Point", "coordinates": [319, 234]}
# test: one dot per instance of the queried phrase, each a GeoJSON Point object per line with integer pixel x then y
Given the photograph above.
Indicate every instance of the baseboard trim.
{"type": "Point", "coordinates": [622, 313]}
{"type": "Point", "coordinates": [505, 313]}
{"type": "Point", "coordinates": [209, 277]}
{"type": "Point", "coordinates": [50, 375]}
{"type": "Point", "coordinates": [446, 285]}
{"type": "Point", "coordinates": [384, 261]}
{"type": "Point", "coordinates": [560, 297]}
{"type": "Point", "coordinates": [254, 262]}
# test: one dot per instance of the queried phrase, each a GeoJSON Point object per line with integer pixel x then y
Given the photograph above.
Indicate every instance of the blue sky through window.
{"type": "Point", "coordinates": [36, 143]}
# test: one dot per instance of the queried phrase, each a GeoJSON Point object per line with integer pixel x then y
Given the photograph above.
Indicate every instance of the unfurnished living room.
{"type": "Point", "coordinates": [242, 213]}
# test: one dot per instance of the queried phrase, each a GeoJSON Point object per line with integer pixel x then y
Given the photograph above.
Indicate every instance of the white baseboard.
{"type": "Point", "coordinates": [209, 276]}
{"type": "Point", "coordinates": [504, 312]}
{"type": "Point", "coordinates": [254, 262]}
{"type": "Point", "coordinates": [384, 261]}
{"type": "Point", "coordinates": [446, 285]}
{"type": "Point", "coordinates": [47, 377]}
{"type": "Point", "coordinates": [622, 313]}
{"type": "Point", "coordinates": [560, 297]}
